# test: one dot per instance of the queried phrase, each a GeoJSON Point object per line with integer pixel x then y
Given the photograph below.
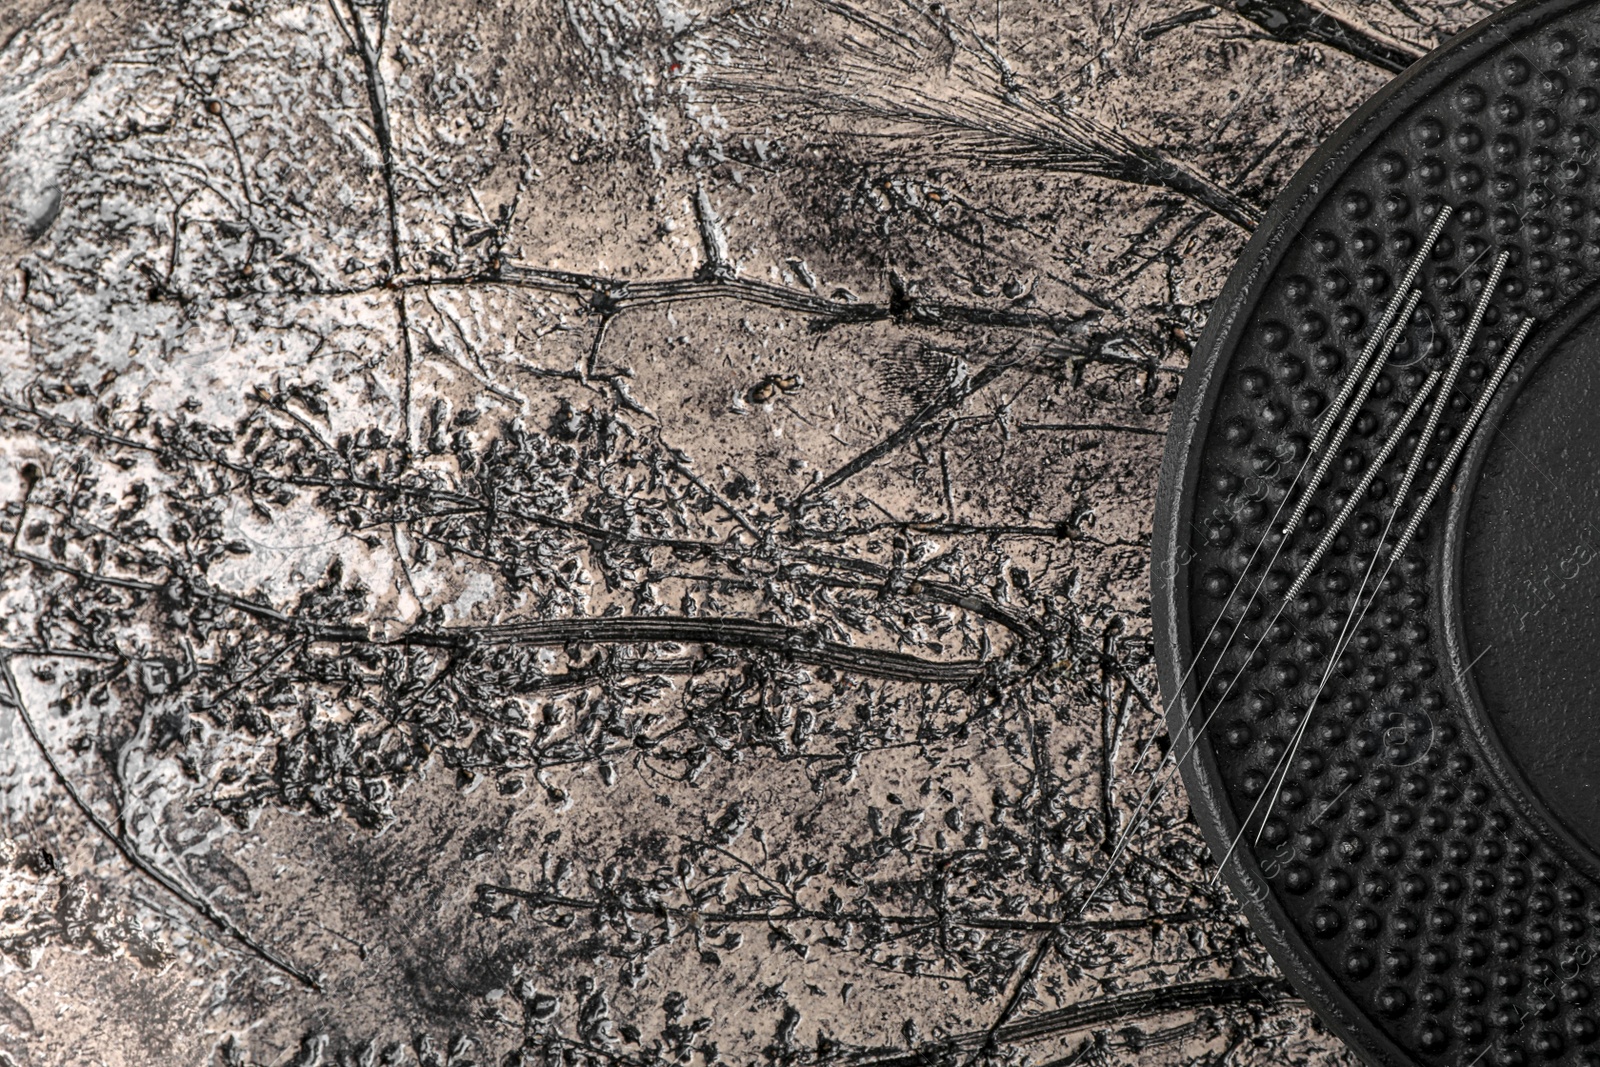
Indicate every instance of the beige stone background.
{"type": "Point", "coordinates": [603, 532]}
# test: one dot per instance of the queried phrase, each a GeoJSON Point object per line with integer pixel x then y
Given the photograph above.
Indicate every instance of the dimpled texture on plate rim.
{"type": "Point", "coordinates": [1420, 895]}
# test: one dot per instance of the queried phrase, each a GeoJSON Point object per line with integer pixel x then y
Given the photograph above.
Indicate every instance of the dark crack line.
{"type": "Point", "coordinates": [460, 503]}
{"type": "Point", "coordinates": [913, 427]}
{"type": "Point", "coordinates": [1141, 1004]}
{"type": "Point", "coordinates": [1297, 22]}
{"type": "Point", "coordinates": [981, 922]}
{"type": "Point", "coordinates": [378, 99]}
{"type": "Point", "coordinates": [13, 697]}
{"type": "Point", "coordinates": [801, 645]}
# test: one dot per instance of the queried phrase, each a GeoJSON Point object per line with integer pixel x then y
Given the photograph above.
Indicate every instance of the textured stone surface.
{"type": "Point", "coordinates": [617, 532]}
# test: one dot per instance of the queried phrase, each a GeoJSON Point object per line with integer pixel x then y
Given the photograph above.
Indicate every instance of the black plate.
{"type": "Point", "coordinates": [1422, 857]}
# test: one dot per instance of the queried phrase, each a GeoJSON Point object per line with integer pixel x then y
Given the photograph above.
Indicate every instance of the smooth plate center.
{"type": "Point", "coordinates": [1530, 582]}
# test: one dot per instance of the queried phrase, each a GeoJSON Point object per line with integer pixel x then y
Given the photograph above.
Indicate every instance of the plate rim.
{"type": "Point", "coordinates": [1197, 395]}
